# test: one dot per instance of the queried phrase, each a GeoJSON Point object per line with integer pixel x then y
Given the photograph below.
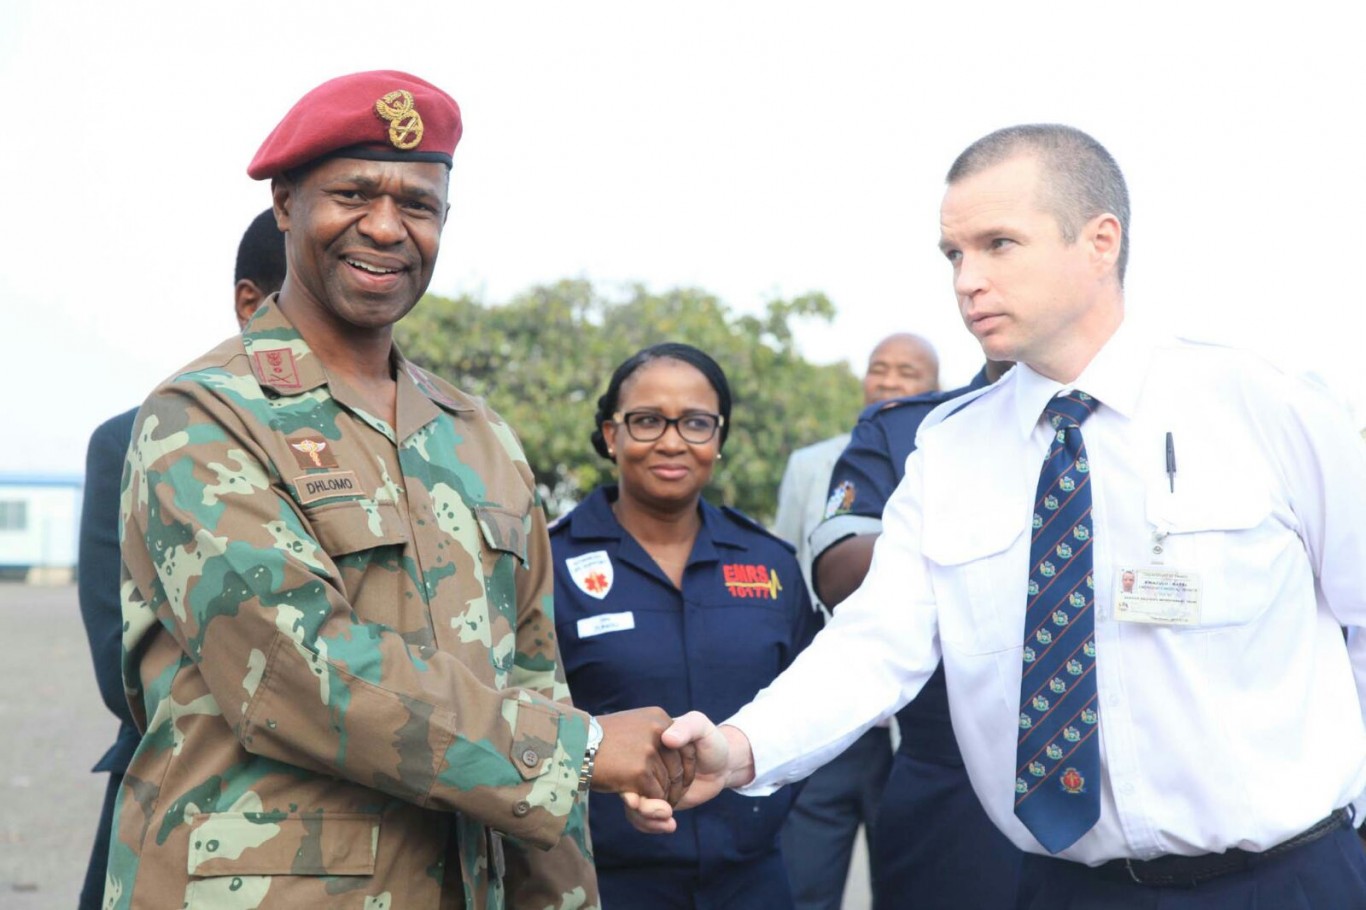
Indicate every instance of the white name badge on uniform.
{"type": "Point", "coordinates": [1159, 596]}
{"type": "Point", "coordinates": [607, 622]}
{"type": "Point", "coordinates": [592, 573]}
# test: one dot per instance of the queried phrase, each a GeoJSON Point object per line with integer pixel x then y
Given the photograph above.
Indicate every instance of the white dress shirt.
{"type": "Point", "coordinates": [1239, 730]}
{"type": "Point", "coordinates": [801, 498]}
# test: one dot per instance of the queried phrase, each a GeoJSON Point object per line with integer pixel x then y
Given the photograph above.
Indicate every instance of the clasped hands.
{"type": "Point", "coordinates": [658, 764]}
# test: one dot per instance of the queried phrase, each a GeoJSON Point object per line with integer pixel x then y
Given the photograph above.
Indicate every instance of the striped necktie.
{"type": "Point", "coordinates": [1057, 757]}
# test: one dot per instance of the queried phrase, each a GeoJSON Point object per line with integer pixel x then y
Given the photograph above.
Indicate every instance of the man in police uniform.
{"type": "Point", "coordinates": [339, 643]}
{"type": "Point", "coordinates": [819, 835]}
{"type": "Point", "coordinates": [1203, 740]}
{"type": "Point", "coordinates": [930, 837]}
{"type": "Point", "coordinates": [900, 366]}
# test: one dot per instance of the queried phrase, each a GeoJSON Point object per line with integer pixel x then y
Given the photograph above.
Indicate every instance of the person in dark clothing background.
{"type": "Point", "coordinates": [259, 273]}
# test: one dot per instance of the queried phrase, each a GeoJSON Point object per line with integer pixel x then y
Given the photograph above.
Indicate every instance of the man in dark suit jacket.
{"type": "Point", "coordinates": [260, 272]}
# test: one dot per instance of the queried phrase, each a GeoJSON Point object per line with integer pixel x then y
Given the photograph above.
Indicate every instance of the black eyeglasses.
{"type": "Point", "coordinates": [647, 426]}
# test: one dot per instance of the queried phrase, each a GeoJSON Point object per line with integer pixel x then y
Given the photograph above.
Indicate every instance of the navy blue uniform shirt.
{"type": "Point", "coordinates": [932, 840]}
{"type": "Point", "coordinates": [863, 480]}
{"type": "Point", "coordinates": [628, 638]}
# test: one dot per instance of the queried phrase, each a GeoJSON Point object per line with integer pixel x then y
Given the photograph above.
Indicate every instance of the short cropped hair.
{"type": "Point", "coordinates": [1081, 178]}
{"type": "Point", "coordinates": [261, 254]}
{"type": "Point", "coordinates": [669, 350]}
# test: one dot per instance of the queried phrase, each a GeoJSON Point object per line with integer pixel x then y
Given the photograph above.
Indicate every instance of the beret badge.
{"type": "Point", "coordinates": [405, 123]}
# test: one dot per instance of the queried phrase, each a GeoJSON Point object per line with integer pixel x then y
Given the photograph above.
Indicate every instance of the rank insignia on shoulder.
{"type": "Point", "coordinates": [277, 368]}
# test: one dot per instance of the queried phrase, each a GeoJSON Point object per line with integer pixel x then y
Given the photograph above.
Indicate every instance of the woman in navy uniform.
{"type": "Point", "coordinates": [663, 599]}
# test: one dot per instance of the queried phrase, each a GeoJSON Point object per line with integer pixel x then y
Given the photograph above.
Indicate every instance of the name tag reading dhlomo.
{"type": "Point", "coordinates": [1160, 596]}
{"type": "Point", "coordinates": [313, 487]}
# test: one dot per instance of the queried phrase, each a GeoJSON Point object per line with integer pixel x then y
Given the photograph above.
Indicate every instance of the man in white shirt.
{"type": "Point", "coordinates": [1225, 707]}
{"type": "Point", "coordinates": [819, 834]}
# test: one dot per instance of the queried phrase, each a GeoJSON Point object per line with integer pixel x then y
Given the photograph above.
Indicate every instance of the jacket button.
{"type": "Point", "coordinates": [521, 808]}
{"type": "Point", "coordinates": [530, 758]}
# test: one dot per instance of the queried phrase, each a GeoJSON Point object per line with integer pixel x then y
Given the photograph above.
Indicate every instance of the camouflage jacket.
{"type": "Point", "coordinates": [339, 643]}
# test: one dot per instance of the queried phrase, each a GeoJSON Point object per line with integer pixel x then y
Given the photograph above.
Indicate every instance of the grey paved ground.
{"type": "Point", "coordinates": [857, 895]}
{"type": "Point", "coordinates": [53, 727]}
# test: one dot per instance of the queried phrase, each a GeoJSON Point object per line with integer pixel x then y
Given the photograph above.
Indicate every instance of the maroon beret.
{"type": "Point", "coordinates": [383, 115]}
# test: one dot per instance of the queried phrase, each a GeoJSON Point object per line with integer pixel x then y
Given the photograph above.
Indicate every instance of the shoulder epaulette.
{"type": "Point", "coordinates": [744, 520]}
{"type": "Point", "coordinates": [927, 400]}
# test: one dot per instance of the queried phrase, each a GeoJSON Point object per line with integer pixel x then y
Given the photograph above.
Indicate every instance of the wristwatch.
{"type": "Point", "coordinates": [590, 754]}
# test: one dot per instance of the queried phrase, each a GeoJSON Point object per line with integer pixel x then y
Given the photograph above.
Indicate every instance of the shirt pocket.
{"type": "Point", "coordinates": [1222, 530]}
{"type": "Point", "coordinates": [356, 535]}
{"type": "Point", "coordinates": [736, 648]}
{"type": "Point", "coordinates": [233, 856]}
{"type": "Point", "coordinates": [344, 528]}
{"type": "Point", "coordinates": [503, 533]}
{"type": "Point", "coordinates": [505, 530]}
{"type": "Point", "coordinates": [978, 567]}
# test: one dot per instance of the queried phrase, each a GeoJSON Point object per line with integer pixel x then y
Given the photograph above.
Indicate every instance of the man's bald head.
{"type": "Point", "coordinates": [901, 364]}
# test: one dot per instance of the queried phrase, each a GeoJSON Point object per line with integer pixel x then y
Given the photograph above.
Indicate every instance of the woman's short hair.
{"type": "Point", "coordinates": [669, 350]}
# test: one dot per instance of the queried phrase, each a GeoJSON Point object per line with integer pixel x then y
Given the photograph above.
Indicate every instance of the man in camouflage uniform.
{"type": "Point", "coordinates": [338, 641]}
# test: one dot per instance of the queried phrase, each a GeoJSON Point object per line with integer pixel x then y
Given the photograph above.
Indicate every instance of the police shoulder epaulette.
{"type": "Point", "coordinates": [955, 404]}
{"type": "Point", "coordinates": [741, 518]}
{"type": "Point", "coordinates": [926, 400]}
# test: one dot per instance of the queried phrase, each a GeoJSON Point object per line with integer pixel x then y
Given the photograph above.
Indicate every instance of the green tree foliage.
{"type": "Point", "coordinates": [543, 359]}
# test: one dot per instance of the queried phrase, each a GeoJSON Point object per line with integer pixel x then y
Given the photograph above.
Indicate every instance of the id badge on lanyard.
{"type": "Point", "coordinates": [1157, 593]}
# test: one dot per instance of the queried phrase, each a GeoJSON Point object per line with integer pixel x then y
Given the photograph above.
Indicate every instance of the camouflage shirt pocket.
{"type": "Point", "coordinates": [506, 530]}
{"type": "Point", "coordinates": [350, 527]}
{"type": "Point", "coordinates": [270, 843]}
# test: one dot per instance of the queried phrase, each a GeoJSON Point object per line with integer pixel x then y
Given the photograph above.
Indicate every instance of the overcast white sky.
{"type": "Point", "coordinates": [749, 148]}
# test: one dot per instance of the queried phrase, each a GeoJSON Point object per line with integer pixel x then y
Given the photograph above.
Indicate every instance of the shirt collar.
{"type": "Point", "coordinates": [594, 519]}
{"type": "Point", "coordinates": [282, 360]}
{"type": "Point", "coordinates": [721, 528]}
{"type": "Point", "coordinates": [1115, 377]}
{"type": "Point", "coordinates": [278, 354]}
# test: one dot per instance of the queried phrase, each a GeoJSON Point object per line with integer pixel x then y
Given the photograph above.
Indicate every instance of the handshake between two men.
{"type": "Point", "coordinates": [658, 766]}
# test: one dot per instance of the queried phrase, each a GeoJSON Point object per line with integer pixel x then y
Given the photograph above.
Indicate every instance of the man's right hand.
{"type": "Point", "coordinates": [632, 758]}
{"type": "Point", "coordinates": [723, 759]}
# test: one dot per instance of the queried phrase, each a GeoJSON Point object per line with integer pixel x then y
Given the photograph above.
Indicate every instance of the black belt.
{"type": "Point", "coordinates": [1189, 871]}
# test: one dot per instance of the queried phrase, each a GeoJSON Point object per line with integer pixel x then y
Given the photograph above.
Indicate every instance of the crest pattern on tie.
{"type": "Point", "coordinates": [1057, 776]}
